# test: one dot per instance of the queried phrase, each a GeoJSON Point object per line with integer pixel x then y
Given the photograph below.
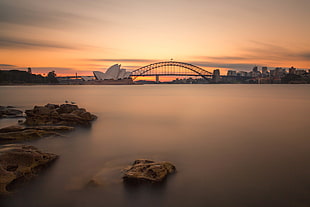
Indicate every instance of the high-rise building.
{"type": "Point", "coordinates": [216, 75]}
{"type": "Point", "coordinates": [255, 69]}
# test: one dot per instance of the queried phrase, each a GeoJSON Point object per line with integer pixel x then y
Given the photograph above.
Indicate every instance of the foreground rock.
{"type": "Point", "coordinates": [19, 163]}
{"type": "Point", "coordinates": [147, 171]}
{"type": "Point", "coordinates": [53, 114]}
{"type": "Point", "coordinates": [21, 133]}
{"type": "Point", "coordinates": [10, 112]}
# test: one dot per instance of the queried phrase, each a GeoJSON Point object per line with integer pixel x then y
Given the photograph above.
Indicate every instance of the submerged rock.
{"type": "Point", "coordinates": [53, 114]}
{"type": "Point", "coordinates": [148, 171]}
{"type": "Point", "coordinates": [20, 163]}
{"type": "Point", "coordinates": [10, 112]}
{"type": "Point", "coordinates": [27, 134]}
{"type": "Point", "coordinates": [21, 133]}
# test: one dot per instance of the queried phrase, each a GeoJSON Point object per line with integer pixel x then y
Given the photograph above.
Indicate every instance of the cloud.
{"type": "Point", "coordinates": [225, 58]}
{"type": "Point", "coordinates": [43, 14]}
{"type": "Point", "coordinates": [7, 65]}
{"type": "Point", "coordinates": [17, 43]}
{"type": "Point", "coordinates": [258, 54]}
{"type": "Point", "coordinates": [304, 55]}
{"type": "Point", "coordinates": [273, 52]}
{"type": "Point", "coordinates": [235, 66]}
{"type": "Point", "coordinates": [125, 60]}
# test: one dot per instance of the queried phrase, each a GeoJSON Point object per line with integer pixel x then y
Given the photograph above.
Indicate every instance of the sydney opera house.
{"type": "Point", "coordinates": [113, 73]}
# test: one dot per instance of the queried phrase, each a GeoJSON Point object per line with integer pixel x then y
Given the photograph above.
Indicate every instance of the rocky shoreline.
{"type": "Point", "coordinates": [48, 120]}
{"type": "Point", "coordinates": [10, 112]}
{"type": "Point", "coordinates": [19, 162]}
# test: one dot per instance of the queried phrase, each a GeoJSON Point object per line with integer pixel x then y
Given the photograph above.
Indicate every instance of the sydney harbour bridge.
{"type": "Point", "coordinates": [170, 68]}
{"type": "Point", "coordinates": [158, 69]}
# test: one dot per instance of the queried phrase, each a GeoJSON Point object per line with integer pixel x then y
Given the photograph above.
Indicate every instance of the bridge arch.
{"type": "Point", "coordinates": [170, 68]}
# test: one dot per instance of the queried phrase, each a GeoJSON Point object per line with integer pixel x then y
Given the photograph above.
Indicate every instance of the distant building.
{"type": "Point", "coordinates": [300, 72]}
{"type": "Point", "coordinates": [231, 73]}
{"type": "Point", "coordinates": [29, 70]}
{"type": "Point", "coordinates": [242, 73]}
{"type": "Point", "coordinates": [264, 70]}
{"type": "Point", "coordinates": [292, 70]}
{"type": "Point", "coordinates": [113, 73]}
{"type": "Point", "coordinates": [216, 75]}
{"type": "Point", "coordinates": [279, 72]}
{"type": "Point", "coordinates": [255, 69]}
{"type": "Point", "coordinates": [87, 78]}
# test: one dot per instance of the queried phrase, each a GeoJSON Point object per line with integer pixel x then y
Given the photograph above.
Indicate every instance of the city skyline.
{"type": "Point", "coordinates": [79, 36]}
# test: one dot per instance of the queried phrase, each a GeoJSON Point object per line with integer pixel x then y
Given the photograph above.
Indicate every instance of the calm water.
{"type": "Point", "coordinates": [233, 145]}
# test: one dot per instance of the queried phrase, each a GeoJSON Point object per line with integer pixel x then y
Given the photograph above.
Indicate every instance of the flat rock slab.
{"type": "Point", "coordinates": [10, 112]}
{"type": "Point", "coordinates": [147, 171]}
{"type": "Point", "coordinates": [21, 162]}
{"type": "Point", "coordinates": [20, 133]}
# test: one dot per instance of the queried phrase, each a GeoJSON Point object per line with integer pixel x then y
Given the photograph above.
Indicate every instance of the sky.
{"type": "Point", "coordinates": [71, 36]}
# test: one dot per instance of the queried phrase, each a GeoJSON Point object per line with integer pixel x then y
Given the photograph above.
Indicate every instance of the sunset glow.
{"type": "Point", "coordinates": [83, 36]}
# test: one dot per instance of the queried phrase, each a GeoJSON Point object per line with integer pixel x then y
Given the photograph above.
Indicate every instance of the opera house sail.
{"type": "Point", "coordinates": [113, 73]}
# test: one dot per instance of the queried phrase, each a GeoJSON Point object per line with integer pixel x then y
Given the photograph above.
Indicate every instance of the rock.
{"type": "Point", "coordinates": [67, 108]}
{"type": "Point", "coordinates": [52, 106]}
{"type": "Point", "coordinates": [52, 114]}
{"type": "Point", "coordinates": [147, 171]}
{"type": "Point", "coordinates": [19, 163]}
{"type": "Point", "coordinates": [10, 112]}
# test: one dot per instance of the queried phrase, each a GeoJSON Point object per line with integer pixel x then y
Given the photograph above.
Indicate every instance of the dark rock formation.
{"type": "Point", "coordinates": [19, 163]}
{"type": "Point", "coordinates": [21, 133]}
{"type": "Point", "coordinates": [52, 114]}
{"type": "Point", "coordinates": [147, 171]}
{"type": "Point", "coordinates": [10, 112]}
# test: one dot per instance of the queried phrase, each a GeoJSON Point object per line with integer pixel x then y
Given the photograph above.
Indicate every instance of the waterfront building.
{"type": "Point", "coordinates": [272, 73]}
{"type": "Point", "coordinates": [300, 72]}
{"type": "Point", "coordinates": [87, 78]}
{"type": "Point", "coordinates": [279, 72]}
{"type": "Point", "coordinates": [231, 73]}
{"type": "Point", "coordinates": [242, 74]}
{"type": "Point", "coordinates": [113, 73]}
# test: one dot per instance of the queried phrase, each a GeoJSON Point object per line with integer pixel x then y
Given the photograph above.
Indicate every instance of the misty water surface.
{"type": "Point", "coordinates": [233, 145]}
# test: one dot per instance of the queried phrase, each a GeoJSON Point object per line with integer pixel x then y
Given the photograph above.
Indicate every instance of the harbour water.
{"type": "Point", "coordinates": [233, 145]}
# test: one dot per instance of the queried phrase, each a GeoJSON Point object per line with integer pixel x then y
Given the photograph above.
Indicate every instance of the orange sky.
{"type": "Point", "coordinates": [82, 36]}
